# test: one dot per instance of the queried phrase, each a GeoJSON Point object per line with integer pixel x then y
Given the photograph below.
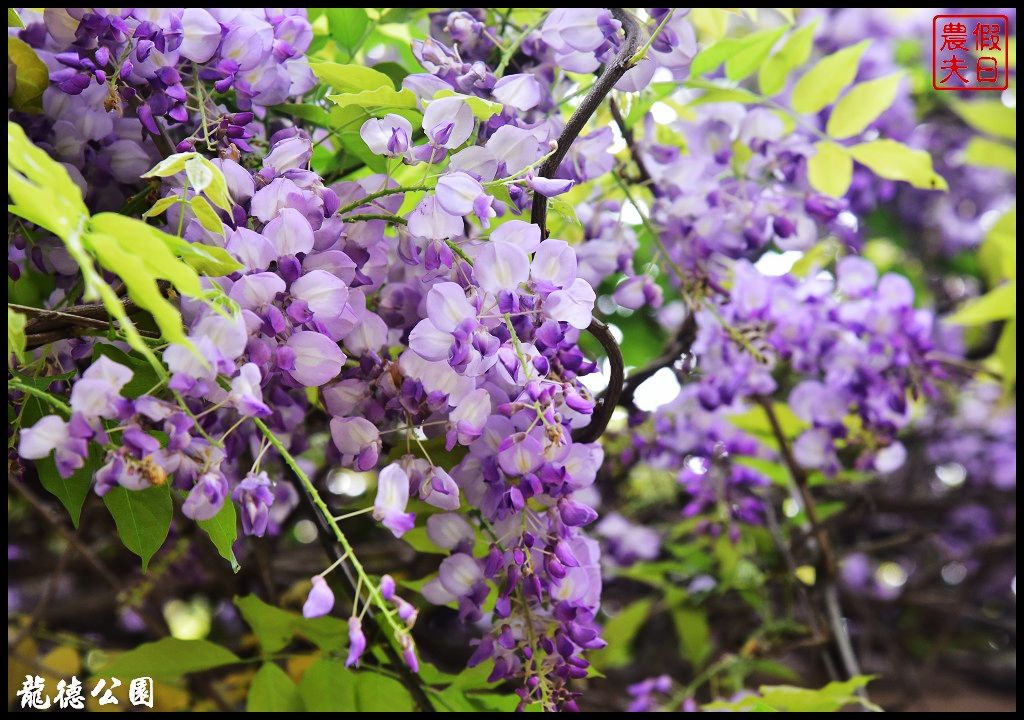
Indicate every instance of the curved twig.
{"type": "Point", "coordinates": [603, 411]}
{"type": "Point", "coordinates": [591, 101]}
{"type": "Point", "coordinates": [539, 213]}
{"type": "Point", "coordinates": [675, 350]}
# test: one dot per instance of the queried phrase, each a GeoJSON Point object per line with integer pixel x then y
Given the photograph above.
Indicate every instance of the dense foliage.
{"type": "Point", "coordinates": [456, 359]}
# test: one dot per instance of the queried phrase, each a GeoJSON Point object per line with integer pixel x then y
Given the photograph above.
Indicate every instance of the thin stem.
{"type": "Point", "coordinates": [394, 219]}
{"type": "Point", "coordinates": [410, 679]}
{"type": "Point", "coordinates": [799, 477]}
{"type": "Point", "coordinates": [366, 200]}
{"type": "Point", "coordinates": [642, 52]}
{"type": "Point", "coordinates": [41, 394]}
{"type": "Point", "coordinates": [354, 513]}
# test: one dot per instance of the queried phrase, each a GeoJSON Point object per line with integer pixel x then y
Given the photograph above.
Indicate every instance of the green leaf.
{"type": "Point", "coordinates": [223, 531]}
{"type": "Point", "coordinates": [720, 95]}
{"type": "Point", "coordinates": [135, 236]}
{"type": "Point", "coordinates": [652, 94]}
{"type": "Point", "coordinates": [272, 626]}
{"type": "Point", "coordinates": [42, 192]}
{"type": "Point", "coordinates": [272, 691]}
{"type": "Point", "coordinates": [895, 161]}
{"type": "Point", "coordinates": [983, 152]}
{"type": "Point", "coordinates": [13, 19]}
{"type": "Point", "coordinates": [564, 210]}
{"type": "Point", "coordinates": [771, 77]}
{"type": "Point", "coordinates": [821, 85]}
{"type": "Point", "coordinates": [141, 283]}
{"type": "Point", "coordinates": [275, 628]}
{"type": "Point", "coordinates": [16, 335]}
{"type": "Point", "coordinates": [988, 116]}
{"type": "Point", "coordinates": [418, 540]}
{"type": "Point", "coordinates": [204, 259]}
{"type": "Point", "coordinates": [31, 76]}
{"type": "Point", "coordinates": [328, 686]}
{"type": "Point", "coordinates": [348, 27]}
{"type": "Point", "coordinates": [310, 113]}
{"type": "Point", "coordinates": [143, 518]}
{"type": "Point", "coordinates": [379, 693]}
{"type": "Point", "coordinates": [862, 105]}
{"type": "Point", "coordinates": [619, 632]}
{"type": "Point", "coordinates": [694, 633]}
{"type": "Point", "coordinates": [714, 55]}
{"type": "Point", "coordinates": [757, 46]}
{"type": "Point", "coordinates": [217, 190]}
{"type": "Point", "coordinates": [830, 169]}
{"type": "Point", "coordinates": [830, 698]}
{"type": "Point", "coordinates": [997, 304]}
{"type": "Point", "coordinates": [168, 658]}
{"type": "Point", "coordinates": [351, 78]}
{"type": "Point", "coordinates": [755, 422]}
{"type": "Point", "coordinates": [71, 491]}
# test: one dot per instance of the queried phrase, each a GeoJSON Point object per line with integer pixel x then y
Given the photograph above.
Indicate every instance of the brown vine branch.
{"type": "Point", "coordinates": [828, 558]}
{"type": "Point", "coordinates": [603, 411]}
{"type": "Point", "coordinates": [539, 213]}
{"type": "Point", "coordinates": [679, 346]}
{"type": "Point", "coordinates": [587, 107]}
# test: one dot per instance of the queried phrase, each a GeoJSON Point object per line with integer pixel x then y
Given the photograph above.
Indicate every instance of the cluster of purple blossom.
{"type": "Point", "coordinates": [712, 204]}
{"type": "Point", "coordinates": [856, 341]}
{"type": "Point", "coordinates": [492, 363]}
{"type": "Point", "coordinates": [705, 451]}
{"type": "Point", "coordinates": [121, 76]}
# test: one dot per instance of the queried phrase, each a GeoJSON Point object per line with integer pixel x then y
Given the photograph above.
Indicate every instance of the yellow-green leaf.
{"type": "Point", "coordinates": [997, 304]}
{"type": "Point", "coordinates": [895, 161]}
{"type": "Point", "coordinates": [1006, 353]}
{"type": "Point", "coordinates": [161, 206]}
{"type": "Point", "coordinates": [31, 76]}
{"type": "Point", "coordinates": [983, 152]}
{"type": "Point", "coordinates": [199, 174]}
{"type": "Point", "coordinates": [40, 188]}
{"type": "Point", "coordinates": [821, 85]}
{"type": "Point", "coordinates": [862, 105]}
{"type": "Point", "coordinates": [989, 116]}
{"type": "Point", "coordinates": [144, 240]}
{"type": "Point", "coordinates": [771, 77]}
{"type": "Point", "coordinates": [376, 102]}
{"type": "Point", "coordinates": [206, 215]}
{"type": "Point", "coordinates": [170, 165]}
{"type": "Point", "coordinates": [482, 109]}
{"type": "Point", "coordinates": [205, 259]}
{"type": "Point", "coordinates": [351, 78]}
{"type": "Point", "coordinates": [756, 48]}
{"type": "Point", "coordinates": [217, 190]}
{"type": "Point", "coordinates": [15, 335]}
{"type": "Point", "coordinates": [998, 252]}
{"type": "Point", "coordinates": [830, 169]}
